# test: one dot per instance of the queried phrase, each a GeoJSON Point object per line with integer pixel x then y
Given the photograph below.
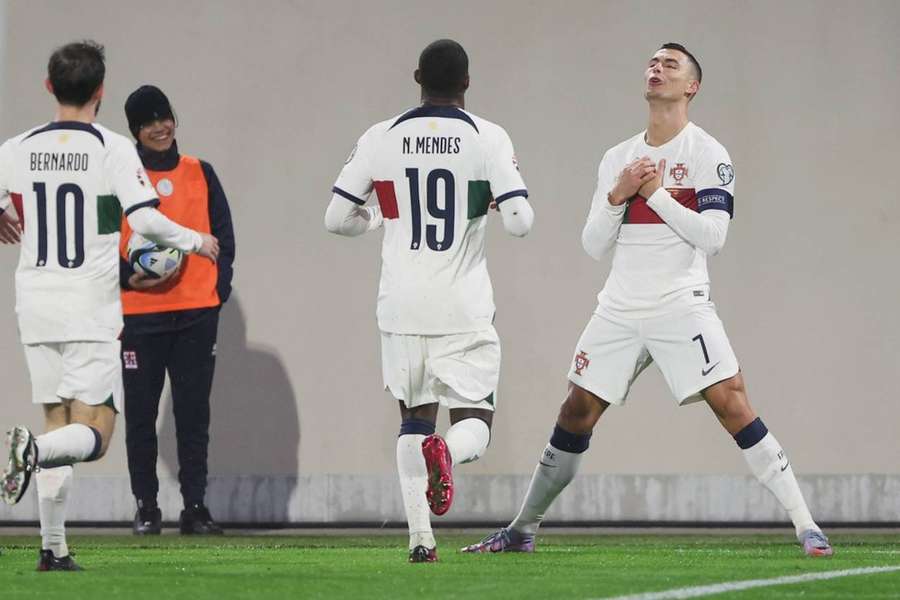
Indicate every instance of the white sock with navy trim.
{"type": "Point", "coordinates": [67, 445]}
{"type": "Point", "coordinates": [414, 481]}
{"type": "Point", "coordinates": [467, 440]}
{"type": "Point", "coordinates": [53, 486]}
{"type": "Point", "coordinates": [770, 465]}
{"type": "Point", "coordinates": [557, 467]}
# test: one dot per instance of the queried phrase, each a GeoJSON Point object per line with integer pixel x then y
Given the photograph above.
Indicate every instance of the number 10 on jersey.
{"type": "Point", "coordinates": [445, 213]}
{"type": "Point", "coordinates": [62, 242]}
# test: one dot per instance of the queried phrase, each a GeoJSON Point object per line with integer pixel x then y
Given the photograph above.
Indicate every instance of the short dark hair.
{"type": "Point", "coordinates": [686, 52]}
{"type": "Point", "coordinates": [443, 68]}
{"type": "Point", "coordinates": [75, 71]}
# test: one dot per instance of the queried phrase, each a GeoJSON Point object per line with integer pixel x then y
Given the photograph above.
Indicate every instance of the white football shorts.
{"type": "Point", "coordinates": [90, 372]}
{"type": "Point", "coordinates": [690, 347]}
{"type": "Point", "coordinates": [459, 370]}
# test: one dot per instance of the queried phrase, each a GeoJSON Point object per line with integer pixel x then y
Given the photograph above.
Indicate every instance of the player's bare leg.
{"type": "Point", "coordinates": [766, 459]}
{"type": "Point", "coordinates": [84, 438]}
{"type": "Point", "coordinates": [416, 424]}
{"type": "Point", "coordinates": [559, 462]}
{"type": "Point", "coordinates": [76, 432]}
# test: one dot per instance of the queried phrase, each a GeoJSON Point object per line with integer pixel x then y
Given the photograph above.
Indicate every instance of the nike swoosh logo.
{"type": "Point", "coordinates": [785, 466]}
{"type": "Point", "coordinates": [546, 465]}
{"type": "Point", "coordinates": [709, 370]}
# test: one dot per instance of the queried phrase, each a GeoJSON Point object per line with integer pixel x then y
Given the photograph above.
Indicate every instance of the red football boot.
{"type": "Point", "coordinates": [440, 474]}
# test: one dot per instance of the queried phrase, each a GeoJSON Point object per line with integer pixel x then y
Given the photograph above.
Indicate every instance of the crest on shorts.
{"type": "Point", "coordinates": [581, 362]}
{"type": "Point", "coordinates": [678, 172]}
{"type": "Point", "coordinates": [129, 357]}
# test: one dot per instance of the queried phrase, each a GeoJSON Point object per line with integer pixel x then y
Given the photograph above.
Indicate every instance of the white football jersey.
{"type": "Point", "coordinates": [70, 183]}
{"type": "Point", "coordinates": [434, 170]}
{"type": "Point", "coordinates": [654, 270]}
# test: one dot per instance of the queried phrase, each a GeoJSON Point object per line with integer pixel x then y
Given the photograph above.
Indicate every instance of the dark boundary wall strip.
{"type": "Point", "coordinates": [492, 524]}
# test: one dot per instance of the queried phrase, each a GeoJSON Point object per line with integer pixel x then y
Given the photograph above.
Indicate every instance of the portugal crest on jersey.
{"type": "Point", "coordinates": [678, 172]}
{"type": "Point", "coordinates": [581, 362]}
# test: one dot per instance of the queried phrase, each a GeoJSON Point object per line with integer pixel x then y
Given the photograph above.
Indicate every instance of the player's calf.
{"type": "Point", "coordinates": [770, 465]}
{"type": "Point", "coordinates": [470, 432]}
{"type": "Point", "coordinates": [580, 411]}
{"type": "Point", "coordinates": [413, 475]}
{"type": "Point", "coordinates": [85, 439]}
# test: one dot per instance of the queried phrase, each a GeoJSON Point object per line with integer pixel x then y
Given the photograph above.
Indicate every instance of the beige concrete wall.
{"type": "Point", "coordinates": [274, 94]}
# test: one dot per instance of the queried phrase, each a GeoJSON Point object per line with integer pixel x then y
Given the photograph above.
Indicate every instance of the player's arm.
{"type": "Point", "coordinates": [518, 216]}
{"type": "Point", "coordinates": [508, 187]}
{"type": "Point", "coordinates": [10, 227]}
{"type": "Point", "coordinates": [707, 228]}
{"type": "Point", "coordinates": [346, 213]}
{"type": "Point", "coordinates": [346, 217]}
{"type": "Point", "coordinates": [131, 185]}
{"type": "Point", "coordinates": [609, 203]}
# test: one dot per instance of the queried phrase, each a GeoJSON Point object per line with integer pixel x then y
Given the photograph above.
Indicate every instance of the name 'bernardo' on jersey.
{"type": "Point", "coordinates": [431, 145]}
{"type": "Point", "coordinates": [59, 161]}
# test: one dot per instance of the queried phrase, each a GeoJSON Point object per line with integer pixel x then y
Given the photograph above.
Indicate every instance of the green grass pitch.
{"type": "Point", "coordinates": [374, 566]}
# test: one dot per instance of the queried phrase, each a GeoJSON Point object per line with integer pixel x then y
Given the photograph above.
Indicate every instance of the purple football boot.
{"type": "Point", "coordinates": [815, 543]}
{"type": "Point", "coordinates": [505, 540]}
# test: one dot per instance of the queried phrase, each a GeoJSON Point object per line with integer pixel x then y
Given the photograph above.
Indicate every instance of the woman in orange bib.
{"type": "Point", "coordinates": [171, 323]}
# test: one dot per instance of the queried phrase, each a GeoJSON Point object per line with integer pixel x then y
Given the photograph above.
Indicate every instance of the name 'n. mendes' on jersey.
{"type": "Point", "coordinates": [654, 269]}
{"type": "Point", "coordinates": [435, 171]}
{"type": "Point", "coordinates": [70, 183]}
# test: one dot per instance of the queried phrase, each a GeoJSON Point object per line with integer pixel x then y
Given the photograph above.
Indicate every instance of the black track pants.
{"type": "Point", "coordinates": [189, 356]}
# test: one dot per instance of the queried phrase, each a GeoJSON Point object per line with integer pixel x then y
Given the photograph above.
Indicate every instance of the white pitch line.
{"type": "Point", "coordinates": [720, 588]}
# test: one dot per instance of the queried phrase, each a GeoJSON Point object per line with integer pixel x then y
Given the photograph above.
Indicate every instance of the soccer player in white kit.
{"type": "Point", "coordinates": [663, 201]}
{"type": "Point", "coordinates": [69, 182]}
{"type": "Point", "coordinates": [436, 170]}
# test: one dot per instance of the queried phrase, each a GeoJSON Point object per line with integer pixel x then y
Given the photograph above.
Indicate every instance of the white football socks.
{"type": "Point", "coordinates": [67, 445]}
{"type": "Point", "coordinates": [771, 467]}
{"type": "Point", "coordinates": [553, 473]}
{"type": "Point", "coordinates": [53, 492]}
{"type": "Point", "coordinates": [467, 440]}
{"type": "Point", "coordinates": [413, 485]}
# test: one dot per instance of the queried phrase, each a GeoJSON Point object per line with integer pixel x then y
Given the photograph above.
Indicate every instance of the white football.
{"type": "Point", "coordinates": [150, 259]}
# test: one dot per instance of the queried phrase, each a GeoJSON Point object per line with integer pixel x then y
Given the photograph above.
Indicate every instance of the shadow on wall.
{"type": "Point", "coordinates": [254, 429]}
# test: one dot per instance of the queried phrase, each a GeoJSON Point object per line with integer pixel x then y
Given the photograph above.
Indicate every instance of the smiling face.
{"type": "Point", "coordinates": [670, 76]}
{"type": "Point", "coordinates": [157, 135]}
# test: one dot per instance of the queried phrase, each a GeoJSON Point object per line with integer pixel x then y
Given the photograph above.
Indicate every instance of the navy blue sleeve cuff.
{"type": "Point", "coordinates": [512, 194]}
{"type": "Point", "coordinates": [347, 195]}
{"type": "Point", "coordinates": [148, 204]}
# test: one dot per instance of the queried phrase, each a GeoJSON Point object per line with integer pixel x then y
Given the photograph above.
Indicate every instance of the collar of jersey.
{"type": "Point", "coordinates": [433, 110]}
